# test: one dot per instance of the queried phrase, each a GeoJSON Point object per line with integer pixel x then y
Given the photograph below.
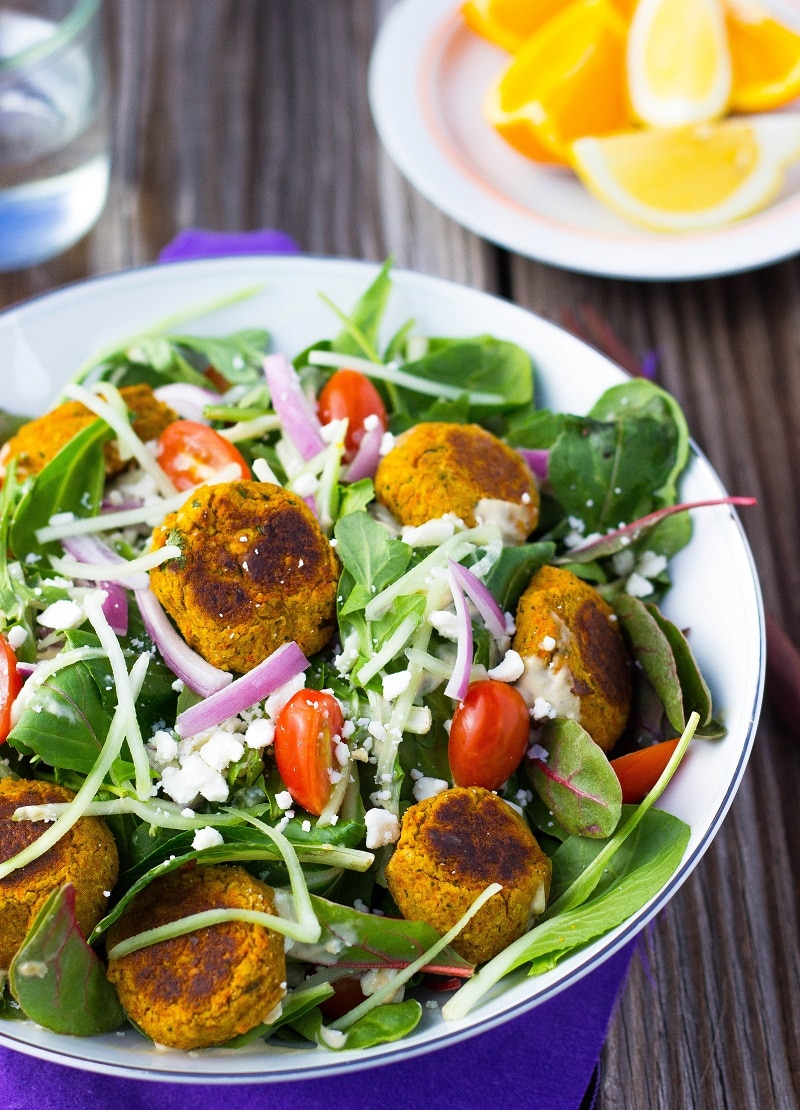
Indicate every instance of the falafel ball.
{"type": "Point", "coordinates": [576, 661]}
{"type": "Point", "coordinates": [439, 468]}
{"type": "Point", "coordinates": [451, 847]}
{"type": "Point", "coordinates": [256, 571]}
{"type": "Point", "coordinates": [208, 986]}
{"type": "Point", "coordinates": [85, 856]}
{"type": "Point", "coordinates": [39, 441]}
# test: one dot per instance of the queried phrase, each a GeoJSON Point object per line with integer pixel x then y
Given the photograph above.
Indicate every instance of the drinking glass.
{"type": "Point", "coordinates": [54, 159]}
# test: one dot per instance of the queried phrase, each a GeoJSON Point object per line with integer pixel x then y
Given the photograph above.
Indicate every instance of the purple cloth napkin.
{"type": "Point", "coordinates": [544, 1059]}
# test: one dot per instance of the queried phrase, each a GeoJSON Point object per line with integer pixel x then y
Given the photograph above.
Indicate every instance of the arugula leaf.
{"type": "Point", "coordinates": [359, 334]}
{"type": "Point", "coordinates": [368, 553]}
{"type": "Point", "coordinates": [72, 482]}
{"type": "Point", "coordinates": [57, 979]}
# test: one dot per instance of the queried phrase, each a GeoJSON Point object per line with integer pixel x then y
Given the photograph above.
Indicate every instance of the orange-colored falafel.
{"type": "Point", "coordinates": [575, 657]}
{"type": "Point", "coordinates": [85, 856]}
{"type": "Point", "coordinates": [439, 468]}
{"type": "Point", "coordinates": [39, 441]}
{"type": "Point", "coordinates": [451, 847]}
{"type": "Point", "coordinates": [256, 571]}
{"type": "Point", "coordinates": [208, 986]}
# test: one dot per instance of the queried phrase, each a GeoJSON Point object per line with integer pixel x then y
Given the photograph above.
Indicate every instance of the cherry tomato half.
{"type": "Point", "coordinates": [190, 453]}
{"type": "Point", "coordinates": [305, 746]}
{"type": "Point", "coordinates": [489, 735]}
{"type": "Point", "coordinates": [10, 685]}
{"type": "Point", "coordinates": [349, 394]}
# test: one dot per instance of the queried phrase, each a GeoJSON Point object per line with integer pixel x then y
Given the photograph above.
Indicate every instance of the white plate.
{"type": "Point", "coordinates": [715, 592]}
{"type": "Point", "coordinates": [428, 76]}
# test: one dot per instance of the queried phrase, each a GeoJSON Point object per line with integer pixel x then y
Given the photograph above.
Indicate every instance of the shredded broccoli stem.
{"type": "Point", "coordinates": [76, 808]}
{"type": "Point", "coordinates": [195, 921]}
{"type": "Point", "coordinates": [111, 572]}
{"type": "Point", "coordinates": [126, 698]}
{"type": "Point", "coordinates": [391, 372]}
{"type": "Point", "coordinates": [395, 644]}
{"type": "Point", "coordinates": [250, 429]}
{"type": "Point", "coordinates": [387, 990]}
{"type": "Point", "coordinates": [309, 928]}
{"type": "Point", "coordinates": [125, 434]}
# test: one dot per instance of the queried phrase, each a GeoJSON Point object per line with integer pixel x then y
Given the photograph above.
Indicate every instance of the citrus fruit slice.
{"type": "Point", "coordinates": [687, 179]}
{"type": "Point", "coordinates": [679, 66]}
{"type": "Point", "coordinates": [508, 23]}
{"type": "Point", "coordinates": [765, 56]}
{"type": "Point", "coordinates": [568, 80]}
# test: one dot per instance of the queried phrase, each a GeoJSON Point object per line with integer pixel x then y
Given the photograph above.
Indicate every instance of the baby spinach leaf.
{"type": "Point", "coordinates": [638, 397]}
{"type": "Point", "coordinates": [72, 482]}
{"type": "Point", "coordinates": [359, 334]}
{"type": "Point", "coordinates": [57, 979]}
{"type": "Point", "coordinates": [537, 429]}
{"type": "Point", "coordinates": [385, 1023]}
{"type": "Point", "coordinates": [356, 497]}
{"type": "Point", "coordinates": [604, 473]}
{"type": "Point", "coordinates": [510, 575]}
{"type": "Point", "coordinates": [237, 356]}
{"type": "Point", "coordinates": [576, 782]}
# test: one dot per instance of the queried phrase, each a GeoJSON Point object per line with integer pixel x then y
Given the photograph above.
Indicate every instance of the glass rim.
{"type": "Point", "coordinates": [67, 30]}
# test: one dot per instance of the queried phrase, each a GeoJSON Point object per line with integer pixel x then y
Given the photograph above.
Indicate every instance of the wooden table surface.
{"type": "Point", "coordinates": [237, 114]}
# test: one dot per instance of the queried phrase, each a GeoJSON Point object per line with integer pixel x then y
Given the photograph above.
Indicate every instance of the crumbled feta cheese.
{"type": "Point", "coordinates": [536, 751]}
{"type": "Point", "coordinates": [342, 753]}
{"type": "Point", "coordinates": [162, 749]}
{"type": "Point", "coordinates": [638, 586]}
{"type": "Point", "coordinates": [260, 734]}
{"type": "Point", "coordinates": [207, 837]}
{"type": "Point", "coordinates": [428, 788]}
{"type": "Point", "coordinates": [623, 562]}
{"type": "Point", "coordinates": [17, 636]}
{"type": "Point", "coordinates": [651, 565]}
{"type": "Point", "coordinates": [275, 702]}
{"type": "Point", "coordinates": [61, 615]}
{"type": "Point", "coordinates": [445, 622]}
{"type": "Point", "coordinates": [395, 684]}
{"type": "Point", "coordinates": [306, 826]}
{"type": "Point", "coordinates": [193, 777]}
{"type": "Point", "coordinates": [548, 643]}
{"type": "Point", "coordinates": [382, 828]}
{"type": "Point", "coordinates": [371, 422]}
{"type": "Point", "coordinates": [387, 443]}
{"type": "Point", "coordinates": [542, 709]}
{"type": "Point", "coordinates": [346, 659]}
{"type": "Point", "coordinates": [510, 669]}
{"type": "Point", "coordinates": [284, 799]}
{"type": "Point", "coordinates": [221, 750]}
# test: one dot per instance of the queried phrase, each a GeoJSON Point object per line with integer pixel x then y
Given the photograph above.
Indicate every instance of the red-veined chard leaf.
{"type": "Point", "coordinates": [57, 979]}
{"type": "Point", "coordinates": [576, 781]}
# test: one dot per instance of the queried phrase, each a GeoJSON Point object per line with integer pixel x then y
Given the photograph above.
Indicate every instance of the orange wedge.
{"type": "Point", "coordinates": [567, 81]}
{"type": "Point", "coordinates": [765, 56]}
{"type": "Point", "coordinates": [508, 23]}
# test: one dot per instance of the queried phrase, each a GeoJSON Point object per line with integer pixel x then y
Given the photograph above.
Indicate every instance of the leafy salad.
{"type": "Point", "coordinates": [194, 761]}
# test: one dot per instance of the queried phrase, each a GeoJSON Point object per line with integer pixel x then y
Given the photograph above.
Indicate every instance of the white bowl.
{"type": "Point", "coordinates": [716, 591]}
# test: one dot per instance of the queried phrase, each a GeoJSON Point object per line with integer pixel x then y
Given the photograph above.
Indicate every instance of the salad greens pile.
{"type": "Point", "coordinates": [95, 709]}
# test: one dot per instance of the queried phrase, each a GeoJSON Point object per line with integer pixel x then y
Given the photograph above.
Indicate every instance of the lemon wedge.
{"type": "Point", "coordinates": [691, 178]}
{"type": "Point", "coordinates": [679, 65]}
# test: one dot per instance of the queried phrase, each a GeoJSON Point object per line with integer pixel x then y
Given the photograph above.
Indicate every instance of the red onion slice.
{"type": "Point", "coordinates": [462, 669]}
{"type": "Point", "coordinates": [296, 414]}
{"type": "Point", "coordinates": [187, 400]}
{"type": "Point", "coordinates": [284, 663]}
{"type": "Point", "coordinates": [115, 606]}
{"type": "Point", "coordinates": [537, 459]}
{"type": "Point", "coordinates": [490, 612]}
{"type": "Point", "coordinates": [190, 667]}
{"type": "Point", "coordinates": [367, 457]}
